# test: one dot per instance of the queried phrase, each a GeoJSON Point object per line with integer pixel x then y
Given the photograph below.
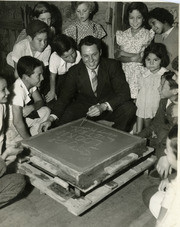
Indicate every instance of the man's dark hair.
{"type": "Point", "coordinates": [89, 41]}
{"type": "Point", "coordinates": [27, 64]}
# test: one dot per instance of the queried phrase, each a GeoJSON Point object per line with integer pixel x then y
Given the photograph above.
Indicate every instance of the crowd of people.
{"type": "Point", "coordinates": [58, 78]}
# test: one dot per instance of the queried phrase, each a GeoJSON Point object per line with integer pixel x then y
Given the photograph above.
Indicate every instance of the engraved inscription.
{"type": "Point", "coordinates": [83, 140]}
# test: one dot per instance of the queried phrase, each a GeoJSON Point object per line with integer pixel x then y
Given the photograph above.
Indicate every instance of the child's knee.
{"type": "Point", "coordinates": [44, 112]}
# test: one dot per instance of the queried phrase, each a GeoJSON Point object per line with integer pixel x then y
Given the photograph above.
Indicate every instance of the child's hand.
{"type": "Point", "coordinates": [50, 96]}
{"type": "Point", "coordinates": [10, 153]}
{"type": "Point", "coordinates": [163, 167]}
{"type": "Point", "coordinates": [164, 185]}
{"type": "Point", "coordinates": [137, 58]}
{"type": "Point", "coordinates": [27, 110]}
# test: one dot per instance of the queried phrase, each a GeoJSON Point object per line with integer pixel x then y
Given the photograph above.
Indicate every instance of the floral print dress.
{"type": "Point", "coordinates": [133, 44]}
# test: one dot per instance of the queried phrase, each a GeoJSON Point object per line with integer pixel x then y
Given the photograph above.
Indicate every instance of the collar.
{"type": "Point", "coordinates": [90, 70]}
{"type": "Point", "coordinates": [165, 34]}
{"type": "Point", "coordinates": [21, 83]}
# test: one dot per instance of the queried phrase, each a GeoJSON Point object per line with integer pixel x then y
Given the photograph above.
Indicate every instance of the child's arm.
{"type": "Point", "coordinates": [15, 70]}
{"type": "Point", "coordinates": [163, 167]}
{"type": "Point", "coordinates": [162, 213]}
{"type": "Point", "coordinates": [18, 121]}
{"type": "Point", "coordinates": [38, 103]}
{"type": "Point", "coordinates": [125, 57]}
{"type": "Point", "coordinates": [52, 93]}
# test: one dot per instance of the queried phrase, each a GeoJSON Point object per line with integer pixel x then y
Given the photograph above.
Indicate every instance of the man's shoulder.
{"type": "Point", "coordinates": [110, 62]}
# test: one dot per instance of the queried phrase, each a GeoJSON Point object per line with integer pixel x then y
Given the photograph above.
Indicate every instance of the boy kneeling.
{"type": "Point", "coordinates": [27, 110]}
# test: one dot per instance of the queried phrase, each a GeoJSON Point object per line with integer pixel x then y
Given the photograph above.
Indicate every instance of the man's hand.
{"type": "Point", "coordinates": [96, 110]}
{"type": "Point", "coordinates": [44, 126]}
{"type": "Point", "coordinates": [163, 167]}
{"type": "Point", "coordinates": [163, 186]}
{"type": "Point", "coordinates": [27, 110]}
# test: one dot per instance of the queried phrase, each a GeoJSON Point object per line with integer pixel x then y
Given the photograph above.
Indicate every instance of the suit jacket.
{"type": "Point", "coordinates": [112, 86]}
{"type": "Point", "coordinates": [171, 42]}
{"type": "Point", "coordinates": [161, 125]}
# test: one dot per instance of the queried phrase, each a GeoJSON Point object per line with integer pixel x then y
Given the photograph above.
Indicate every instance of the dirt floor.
{"type": "Point", "coordinates": [124, 208]}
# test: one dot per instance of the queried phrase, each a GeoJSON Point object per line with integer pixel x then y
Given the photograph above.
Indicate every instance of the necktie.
{"type": "Point", "coordinates": [94, 82]}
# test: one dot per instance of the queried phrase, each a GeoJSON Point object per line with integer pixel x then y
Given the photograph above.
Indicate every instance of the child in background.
{"type": "Point", "coordinates": [84, 26]}
{"type": "Point", "coordinates": [10, 184]}
{"type": "Point", "coordinates": [42, 12]}
{"type": "Point", "coordinates": [158, 130]}
{"type": "Point", "coordinates": [132, 43]}
{"type": "Point", "coordinates": [162, 200]}
{"type": "Point", "coordinates": [155, 59]}
{"type": "Point", "coordinates": [161, 21]}
{"type": "Point", "coordinates": [35, 45]}
{"type": "Point", "coordinates": [64, 56]}
{"type": "Point", "coordinates": [27, 110]}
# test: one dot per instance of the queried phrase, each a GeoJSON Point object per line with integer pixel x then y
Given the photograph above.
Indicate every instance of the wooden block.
{"type": "Point", "coordinates": [121, 164]}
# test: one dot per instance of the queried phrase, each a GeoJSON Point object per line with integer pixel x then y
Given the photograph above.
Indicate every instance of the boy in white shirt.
{"type": "Point", "coordinates": [35, 45]}
{"type": "Point", "coordinates": [64, 56]}
{"type": "Point", "coordinates": [27, 110]}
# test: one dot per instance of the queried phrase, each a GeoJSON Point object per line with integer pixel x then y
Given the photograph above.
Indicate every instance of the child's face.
{"type": "Point", "coordinates": [36, 78]}
{"type": "Point", "coordinates": [152, 63]}
{"type": "Point", "coordinates": [156, 25]}
{"type": "Point", "coordinates": [170, 154]}
{"type": "Point", "coordinates": [39, 43]}
{"type": "Point", "coordinates": [135, 19]}
{"type": "Point", "coordinates": [69, 56]}
{"type": "Point", "coordinates": [164, 89]}
{"type": "Point", "coordinates": [4, 92]}
{"type": "Point", "coordinates": [83, 12]}
{"type": "Point", "coordinates": [45, 17]}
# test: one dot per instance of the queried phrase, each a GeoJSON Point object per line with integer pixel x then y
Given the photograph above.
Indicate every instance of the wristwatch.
{"type": "Point", "coordinates": [105, 106]}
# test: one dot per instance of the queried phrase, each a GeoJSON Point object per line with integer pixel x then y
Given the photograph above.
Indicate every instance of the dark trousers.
{"type": "Point", "coordinates": [122, 116]}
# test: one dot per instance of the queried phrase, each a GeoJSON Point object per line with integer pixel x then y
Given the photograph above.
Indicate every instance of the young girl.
{"type": "Point", "coordinates": [64, 56]}
{"type": "Point", "coordinates": [155, 59]}
{"type": "Point", "coordinates": [34, 45]}
{"type": "Point", "coordinates": [161, 21]}
{"type": "Point", "coordinates": [84, 26]}
{"type": "Point", "coordinates": [42, 11]}
{"type": "Point", "coordinates": [132, 43]}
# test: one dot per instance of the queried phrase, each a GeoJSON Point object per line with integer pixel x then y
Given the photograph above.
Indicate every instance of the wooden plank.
{"type": "Point", "coordinates": [76, 205]}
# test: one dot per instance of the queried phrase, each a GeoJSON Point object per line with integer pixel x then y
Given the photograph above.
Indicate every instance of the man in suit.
{"type": "Point", "coordinates": [95, 87]}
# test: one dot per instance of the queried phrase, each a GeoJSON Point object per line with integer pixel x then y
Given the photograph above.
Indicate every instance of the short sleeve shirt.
{"type": "Point", "coordinates": [58, 66]}
{"type": "Point", "coordinates": [21, 95]}
{"type": "Point", "coordinates": [23, 48]}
